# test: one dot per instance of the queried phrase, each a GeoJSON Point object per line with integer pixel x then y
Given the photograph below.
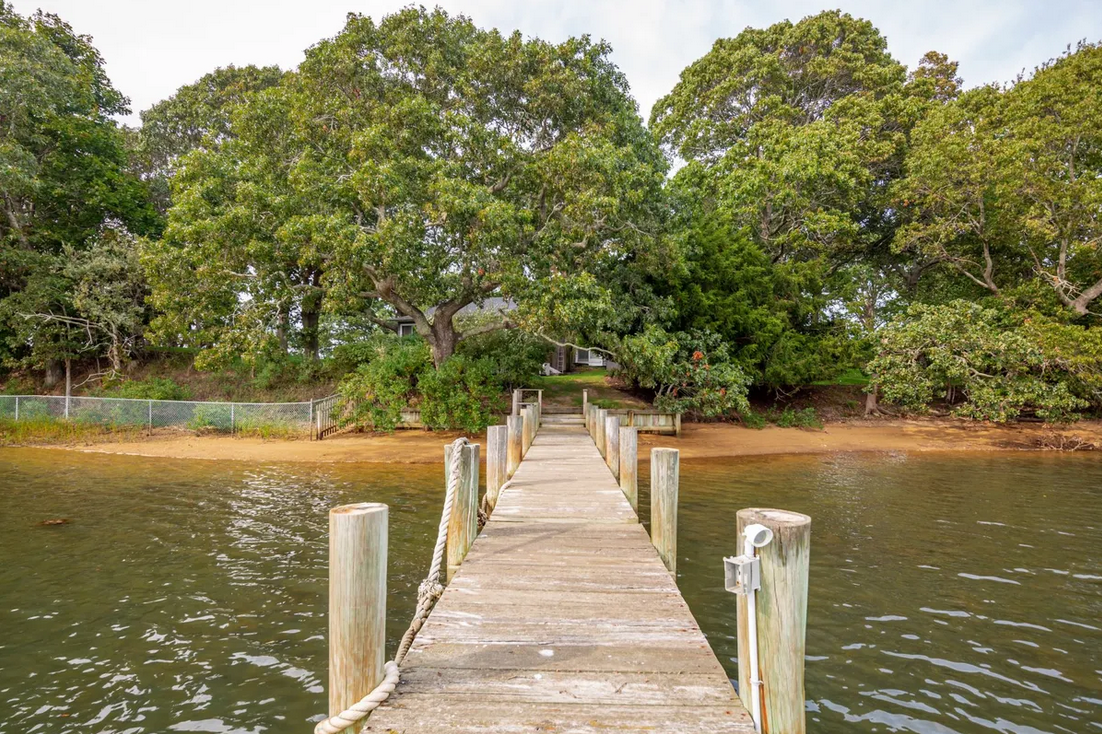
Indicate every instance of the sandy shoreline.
{"type": "Point", "coordinates": [698, 441]}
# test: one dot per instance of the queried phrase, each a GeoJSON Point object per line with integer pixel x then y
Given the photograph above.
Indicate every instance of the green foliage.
{"type": "Point", "coordinates": [805, 418]}
{"type": "Point", "coordinates": [688, 372]}
{"type": "Point", "coordinates": [381, 388]}
{"type": "Point", "coordinates": [48, 430]}
{"type": "Point", "coordinates": [461, 393]}
{"type": "Point", "coordinates": [153, 388]}
{"type": "Point", "coordinates": [514, 357]}
{"type": "Point", "coordinates": [1001, 366]}
{"type": "Point", "coordinates": [211, 416]}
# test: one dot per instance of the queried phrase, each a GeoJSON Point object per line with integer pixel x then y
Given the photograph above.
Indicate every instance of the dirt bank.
{"type": "Point", "coordinates": [697, 441]}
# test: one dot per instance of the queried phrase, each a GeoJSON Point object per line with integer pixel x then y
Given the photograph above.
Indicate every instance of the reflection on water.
{"type": "Point", "coordinates": [948, 593]}
{"type": "Point", "coordinates": [182, 596]}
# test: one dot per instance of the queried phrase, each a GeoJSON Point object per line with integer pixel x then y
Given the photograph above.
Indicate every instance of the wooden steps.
{"type": "Point", "coordinates": [562, 619]}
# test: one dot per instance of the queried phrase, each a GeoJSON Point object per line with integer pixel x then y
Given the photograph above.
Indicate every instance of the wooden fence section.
{"type": "Point", "coordinates": [562, 618]}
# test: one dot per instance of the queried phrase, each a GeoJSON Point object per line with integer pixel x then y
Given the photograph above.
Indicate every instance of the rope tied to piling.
{"type": "Point", "coordinates": [428, 593]}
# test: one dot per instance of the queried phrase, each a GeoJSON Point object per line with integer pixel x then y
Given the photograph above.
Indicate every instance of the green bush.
{"type": "Point", "coordinates": [991, 363]}
{"type": "Point", "coordinates": [806, 418]}
{"type": "Point", "coordinates": [688, 371]}
{"type": "Point", "coordinates": [514, 357]}
{"type": "Point", "coordinates": [210, 416]}
{"type": "Point", "coordinates": [382, 387]}
{"type": "Point", "coordinates": [153, 388]}
{"type": "Point", "coordinates": [462, 393]}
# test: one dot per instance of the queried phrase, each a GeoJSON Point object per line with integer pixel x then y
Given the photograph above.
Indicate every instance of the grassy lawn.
{"type": "Point", "coordinates": [566, 390]}
{"type": "Point", "coordinates": [852, 376]}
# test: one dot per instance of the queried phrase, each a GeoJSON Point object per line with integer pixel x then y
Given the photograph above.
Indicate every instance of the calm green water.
{"type": "Point", "coordinates": [948, 593]}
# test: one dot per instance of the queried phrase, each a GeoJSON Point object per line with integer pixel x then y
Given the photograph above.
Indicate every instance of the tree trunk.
{"type": "Point", "coordinates": [311, 314]}
{"type": "Point", "coordinates": [282, 327]}
{"type": "Point", "coordinates": [871, 407]}
{"type": "Point", "coordinates": [442, 339]}
{"type": "Point", "coordinates": [53, 374]}
{"type": "Point", "coordinates": [68, 379]}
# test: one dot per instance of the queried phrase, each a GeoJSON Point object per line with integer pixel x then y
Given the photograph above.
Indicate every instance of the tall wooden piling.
{"type": "Point", "coordinates": [497, 465]}
{"type": "Point", "coordinates": [664, 471]}
{"type": "Point", "coordinates": [612, 444]}
{"type": "Point", "coordinates": [528, 413]}
{"type": "Point", "coordinates": [782, 620]}
{"type": "Point", "coordinates": [599, 430]}
{"type": "Point", "coordinates": [629, 465]}
{"type": "Point", "coordinates": [514, 428]}
{"type": "Point", "coordinates": [516, 403]}
{"type": "Point", "coordinates": [463, 522]}
{"type": "Point", "coordinates": [357, 602]}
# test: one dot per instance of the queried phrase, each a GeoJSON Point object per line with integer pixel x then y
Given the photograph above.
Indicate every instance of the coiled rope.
{"type": "Point", "coordinates": [427, 595]}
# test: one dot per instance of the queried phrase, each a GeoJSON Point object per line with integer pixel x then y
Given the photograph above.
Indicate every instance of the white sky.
{"type": "Point", "coordinates": [152, 47]}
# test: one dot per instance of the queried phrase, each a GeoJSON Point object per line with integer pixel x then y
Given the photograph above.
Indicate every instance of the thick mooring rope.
{"type": "Point", "coordinates": [427, 595]}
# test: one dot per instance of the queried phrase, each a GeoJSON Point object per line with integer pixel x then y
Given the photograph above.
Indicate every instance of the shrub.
{"type": "Point", "coordinates": [514, 357]}
{"type": "Point", "coordinates": [462, 393]}
{"type": "Point", "coordinates": [688, 371]}
{"type": "Point", "coordinates": [153, 388]}
{"type": "Point", "coordinates": [1002, 364]}
{"type": "Point", "coordinates": [381, 388]}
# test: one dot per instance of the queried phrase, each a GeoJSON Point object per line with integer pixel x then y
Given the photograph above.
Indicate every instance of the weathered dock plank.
{"type": "Point", "coordinates": [562, 618]}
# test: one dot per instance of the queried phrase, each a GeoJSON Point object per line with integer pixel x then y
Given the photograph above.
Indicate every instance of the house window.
{"type": "Point", "coordinates": [405, 329]}
{"type": "Point", "coordinates": [581, 356]}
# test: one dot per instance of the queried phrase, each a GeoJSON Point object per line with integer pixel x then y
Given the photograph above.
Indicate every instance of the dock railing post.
{"type": "Point", "coordinates": [612, 444]}
{"type": "Point", "coordinates": [781, 614]}
{"type": "Point", "coordinates": [463, 523]}
{"type": "Point", "coordinates": [514, 428]}
{"type": "Point", "coordinates": [497, 468]}
{"type": "Point", "coordinates": [529, 429]}
{"type": "Point", "coordinates": [585, 402]}
{"type": "Point", "coordinates": [599, 430]}
{"type": "Point", "coordinates": [357, 602]}
{"type": "Point", "coordinates": [664, 469]}
{"type": "Point", "coordinates": [516, 402]}
{"type": "Point", "coordinates": [629, 465]}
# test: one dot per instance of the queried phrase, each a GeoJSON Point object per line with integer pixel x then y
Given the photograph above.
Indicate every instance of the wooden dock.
{"type": "Point", "coordinates": [562, 619]}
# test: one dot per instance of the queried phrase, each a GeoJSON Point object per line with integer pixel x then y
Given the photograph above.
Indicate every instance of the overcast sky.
{"type": "Point", "coordinates": [152, 47]}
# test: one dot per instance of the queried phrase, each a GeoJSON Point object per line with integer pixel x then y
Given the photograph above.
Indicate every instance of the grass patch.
{"type": "Point", "coordinates": [852, 377]}
{"type": "Point", "coordinates": [44, 430]}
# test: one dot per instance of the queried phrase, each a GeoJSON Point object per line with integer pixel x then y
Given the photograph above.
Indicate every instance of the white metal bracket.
{"type": "Point", "coordinates": [741, 574]}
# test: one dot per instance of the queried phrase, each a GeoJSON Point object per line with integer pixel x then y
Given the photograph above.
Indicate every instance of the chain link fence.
{"type": "Point", "coordinates": [265, 418]}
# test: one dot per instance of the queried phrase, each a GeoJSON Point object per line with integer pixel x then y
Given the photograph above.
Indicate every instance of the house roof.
{"type": "Point", "coordinates": [493, 304]}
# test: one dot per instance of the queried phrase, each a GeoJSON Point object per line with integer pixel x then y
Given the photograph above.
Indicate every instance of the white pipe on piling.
{"type": "Point", "coordinates": [754, 537]}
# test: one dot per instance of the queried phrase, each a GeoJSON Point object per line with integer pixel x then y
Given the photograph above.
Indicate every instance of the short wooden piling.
{"type": "Point", "coordinates": [588, 416]}
{"type": "Point", "coordinates": [585, 402]}
{"type": "Point", "coordinates": [629, 465]}
{"type": "Point", "coordinates": [612, 444]}
{"type": "Point", "coordinates": [599, 430]}
{"type": "Point", "coordinates": [357, 602]}
{"type": "Point", "coordinates": [782, 620]}
{"type": "Point", "coordinates": [463, 522]}
{"type": "Point", "coordinates": [664, 470]}
{"type": "Point", "coordinates": [529, 416]}
{"type": "Point", "coordinates": [516, 402]}
{"type": "Point", "coordinates": [496, 463]}
{"type": "Point", "coordinates": [514, 427]}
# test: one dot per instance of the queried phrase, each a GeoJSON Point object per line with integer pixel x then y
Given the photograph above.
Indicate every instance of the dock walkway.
{"type": "Point", "coordinates": [562, 619]}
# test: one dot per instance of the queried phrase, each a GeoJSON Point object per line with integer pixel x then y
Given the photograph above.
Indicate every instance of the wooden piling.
{"type": "Point", "coordinates": [514, 427]}
{"type": "Point", "coordinates": [599, 430]}
{"type": "Point", "coordinates": [529, 416]}
{"type": "Point", "coordinates": [496, 463]}
{"type": "Point", "coordinates": [664, 470]}
{"type": "Point", "coordinates": [629, 465]}
{"type": "Point", "coordinates": [782, 620]}
{"type": "Point", "coordinates": [612, 444]}
{"type": "Point", "coordinates": [463, 522]}
{"type": "Point", "coordinates": [516, 402]}
{"type": "Point", "coordinates": [585, 402]}
{"type": "Point", "coordinates": [357, 602]}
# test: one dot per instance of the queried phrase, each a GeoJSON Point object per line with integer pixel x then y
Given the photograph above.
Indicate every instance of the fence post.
{"type": "Point", "coordinates": [514, 428]}
{"type": "Point", "coordinates": [233, 425]}
{"type": "Point", "coordinates": [612, 444]}
{"type": "Point", "coordinates": [151, 416]}
{"type": "Point", "coordinates": [463, 523]}
{"type": "Point", "coordinates": [629, 465]}
{"type": "Point", "coordinates": [496, 463]}
{"type": "Point", "coordinates": [357, 602]}
{"type": "Point", "coordinates": [585, 402]}
{"type": "Point", "coordinates": [781, 614]}
{"type": "Point", "coordinates": [677, 424]}
{"type": "Point", "coordinates": [599, 416]}
{"type": "Point", "coordinates": [663, 505]}
{"type": "Point", "coordinates": [17, 407]}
